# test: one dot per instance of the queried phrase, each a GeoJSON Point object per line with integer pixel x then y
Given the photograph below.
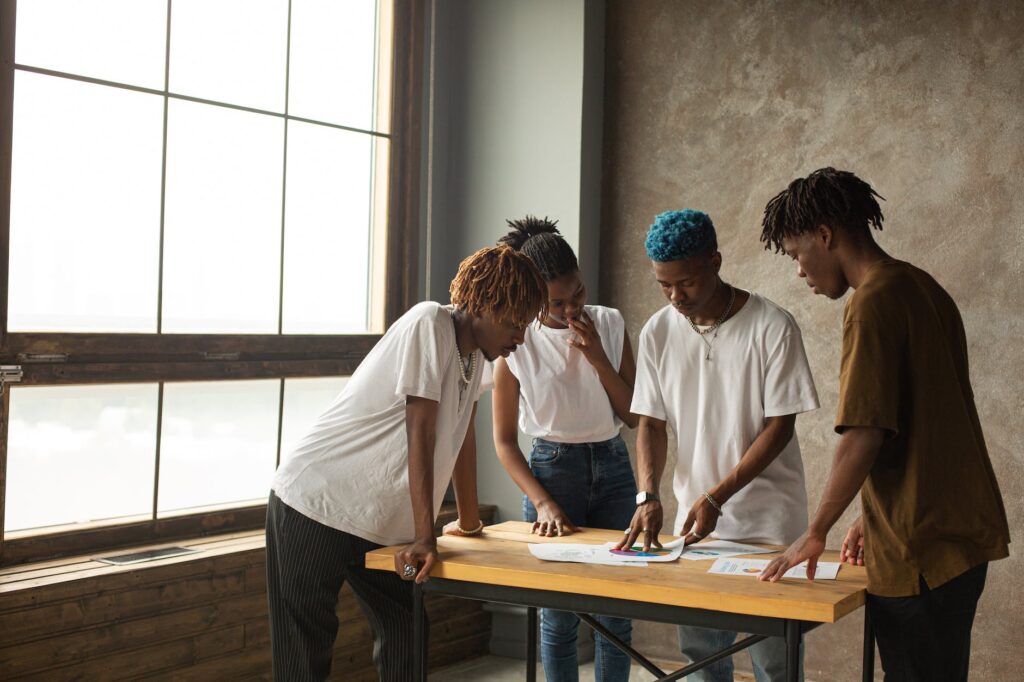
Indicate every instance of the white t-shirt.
{"type": "Point", "coordinates": [561, 398]}
{"type": "Point", "coordinates": [351, 471]}
{"type": "Point", "coordinates": [758, 369]}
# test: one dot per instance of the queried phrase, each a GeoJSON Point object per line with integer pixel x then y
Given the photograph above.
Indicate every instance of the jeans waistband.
{"type": "Point", "coordinates": [611, 442]}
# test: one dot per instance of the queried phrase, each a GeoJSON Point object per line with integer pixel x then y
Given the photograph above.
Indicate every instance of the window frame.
{"type": "Point", "coordinates": [50, 359]}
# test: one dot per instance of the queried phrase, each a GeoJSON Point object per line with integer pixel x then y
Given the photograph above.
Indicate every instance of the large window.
{"type": "Point", "coordinates": [203, 211]}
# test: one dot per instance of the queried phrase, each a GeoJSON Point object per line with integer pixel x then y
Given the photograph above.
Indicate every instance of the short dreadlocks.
{"type": "Point", "coordinates": [825, 197]}
{"type": "Point", "coordinates": [501, 284]}
{"type": "Point", "coordinates": [539, 239]}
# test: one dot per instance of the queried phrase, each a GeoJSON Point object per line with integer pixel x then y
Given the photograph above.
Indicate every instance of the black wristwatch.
{"type": "Point", "coordinates": [644, 497]}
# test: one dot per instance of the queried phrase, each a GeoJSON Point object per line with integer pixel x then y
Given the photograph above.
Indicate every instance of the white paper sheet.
{"type": "Point", "coordinates": [827, 570]}
{"type": "Point", "coordinates": [582, 554]}
{"type": "Point", "coordinates": [715, 549]}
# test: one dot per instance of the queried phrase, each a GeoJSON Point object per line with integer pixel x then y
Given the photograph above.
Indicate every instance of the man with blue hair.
{"type": "Point", "coordinates": [726, 369]}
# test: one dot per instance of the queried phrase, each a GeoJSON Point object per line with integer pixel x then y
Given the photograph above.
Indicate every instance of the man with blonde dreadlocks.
{"type": "Point", "coordinates": [933, 516]}
{"type": "Point", "coordinates": [374, 468]}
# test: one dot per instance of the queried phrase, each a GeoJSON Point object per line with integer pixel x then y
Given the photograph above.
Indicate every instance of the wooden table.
{"type": "Point", "coordinates": [498, 567]}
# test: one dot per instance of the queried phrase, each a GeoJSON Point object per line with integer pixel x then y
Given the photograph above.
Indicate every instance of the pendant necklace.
{"type": "Point", "coordinates": [709, 334]}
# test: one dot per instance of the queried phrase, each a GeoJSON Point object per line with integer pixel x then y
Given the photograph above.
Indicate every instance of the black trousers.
{"type": "Point", "coordinates": [307, 563]}
{"type": "Point", "coordinates": [927, 638]}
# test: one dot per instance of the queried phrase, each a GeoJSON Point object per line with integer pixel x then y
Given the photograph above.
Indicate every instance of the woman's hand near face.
{"type": "Point", "coordinates": [588, 340]}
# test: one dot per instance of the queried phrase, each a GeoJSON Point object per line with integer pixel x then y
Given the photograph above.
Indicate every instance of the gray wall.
{"type": "Point", "coordinates": [718, 105]}
{"type": "Point", "coordinates": [514, 127]}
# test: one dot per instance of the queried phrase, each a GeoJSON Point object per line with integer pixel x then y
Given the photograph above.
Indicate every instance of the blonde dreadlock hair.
{"type": "Point", "coordinates": [501, 284]}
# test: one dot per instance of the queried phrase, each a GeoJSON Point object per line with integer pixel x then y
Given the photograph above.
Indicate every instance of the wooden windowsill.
{"type": "Point", "coordinates": [47, 573]}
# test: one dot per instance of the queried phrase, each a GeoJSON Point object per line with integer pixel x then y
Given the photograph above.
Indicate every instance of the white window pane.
{"type": "Point", "coordinates": [115, 40]}
{"type": "Point", "coordinates": [218, 442]}
{"type": "Point", "coordinates": [80, 453]}
{"type": "Point", "coordinates": [222, 220]}
{"type": "Point", "coordinates": [85, 207]}
{"type": "Point", "coordinates": [304, 401]}
{"type": "Point", "coordinates": [327, 230]}
{"type": "Point", "coordinates": [332, 61]}
{"type": "Point", "coordinates": [233, 51]}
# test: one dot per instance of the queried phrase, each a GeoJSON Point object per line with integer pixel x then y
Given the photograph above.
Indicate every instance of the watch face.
{"type": "Point", "coordinates": [641, 498]}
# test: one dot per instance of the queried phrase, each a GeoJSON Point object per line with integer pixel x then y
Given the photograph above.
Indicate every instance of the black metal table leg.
{"type": "Point", "coordinates": [419, 631]}
{"type": "Point", "coordinates": [793, 650]}
{"type": "Point", "coordinates": [531, 644]}
{"type": "Point", "coordinates": [868, 675]}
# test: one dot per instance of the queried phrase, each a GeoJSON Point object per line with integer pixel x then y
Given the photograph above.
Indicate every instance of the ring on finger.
{"type": "Point", "coordinates": [408, 571]}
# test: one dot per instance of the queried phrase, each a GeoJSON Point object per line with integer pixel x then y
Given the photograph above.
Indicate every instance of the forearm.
{"type": "Point", "coordinates": [421, 431]}
{"type": "Point", "coordinates": [464, 482]}
{"type": "Point", "coordinates": [511, 457]}
{"type": "Point", "coordinates": [651, 453]}
{"type": "Point", "coordinates": [858, 448]}
{"type": "Point", "coordinates": [766, 447]}
{"type": "Point", "coordinates": [421, 490]}
{"type": "Point", "coordinates": [620, 393]}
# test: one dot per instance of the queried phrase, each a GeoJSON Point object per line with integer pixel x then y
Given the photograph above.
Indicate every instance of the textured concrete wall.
{"type": "Point", "coordinates": [718, 105]}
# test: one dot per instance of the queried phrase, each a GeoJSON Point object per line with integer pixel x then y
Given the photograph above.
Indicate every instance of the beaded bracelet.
{"type": "Point", "coordinates": [476, 531]}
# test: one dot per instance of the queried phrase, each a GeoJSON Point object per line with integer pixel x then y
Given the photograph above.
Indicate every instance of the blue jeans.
{"type": "Point", "coordinates": [767, 656]}
{"type": "Point", "coordinates": [593, 484]}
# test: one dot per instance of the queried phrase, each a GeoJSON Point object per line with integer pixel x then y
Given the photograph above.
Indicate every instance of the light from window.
{"type": "Point", "coordinates": [115, 40]}
{"type": "Point", "coordinates": [218, 443]}
{"type": "Point", "coordinates": [222, 225]}
{"type": "Point", "coordinates": [232, 51]}
{"type": "Point", "coordinates": [332, 62]}
{"type": "Point", "coordinates": [78, 454]}
{"type": "Point", "coordinates": [304, 401]}
{"type": "Point", "coordinates": [85, 192]}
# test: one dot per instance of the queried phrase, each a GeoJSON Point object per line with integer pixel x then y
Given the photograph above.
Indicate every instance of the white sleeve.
{"type": "Point", "coordinates": [647, 398]}
{"type": "Point", "coordinates": [613, 336]}
{"type": "Point", "coordinates": [788, 384]}
{"type": "Point", "coordinates": [423, 360]}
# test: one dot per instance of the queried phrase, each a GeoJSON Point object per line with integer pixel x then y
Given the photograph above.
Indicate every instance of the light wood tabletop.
{"type": "Point", "coordinates": [500, 556]}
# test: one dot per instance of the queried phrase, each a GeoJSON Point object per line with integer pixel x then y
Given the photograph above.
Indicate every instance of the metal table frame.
{"type": "Point", "coordinates": [759, 627]}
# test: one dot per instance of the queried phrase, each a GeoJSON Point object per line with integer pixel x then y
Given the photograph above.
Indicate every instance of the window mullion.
{"type": "Point", "coordinates": [163, 182]}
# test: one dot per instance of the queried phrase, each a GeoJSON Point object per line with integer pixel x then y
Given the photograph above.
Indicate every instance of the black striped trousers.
{"type": "Point", "coordinates": [307, 563]}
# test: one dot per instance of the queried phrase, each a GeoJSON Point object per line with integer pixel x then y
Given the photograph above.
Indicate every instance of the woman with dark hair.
{"type": "Point", "coordinates": [568, 387]}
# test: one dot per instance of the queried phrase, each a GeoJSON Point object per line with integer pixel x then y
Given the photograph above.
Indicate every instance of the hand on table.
{"type": "Point", "coordinates": [551, 520]}
{"type": "Point", "coordinates": [853, 545]}
{"type": "Point", "coordinates": [700, 522]}
{"type": "Point", "coordinates": [647, 520]}
{"type": "Point", "coordinates": [807, 548]}
{"type": "Point", "coordinates": [419, 557]}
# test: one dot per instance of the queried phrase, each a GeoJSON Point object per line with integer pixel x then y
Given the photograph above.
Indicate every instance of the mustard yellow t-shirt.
{"type": "Point", "coordinates": [932, 506]}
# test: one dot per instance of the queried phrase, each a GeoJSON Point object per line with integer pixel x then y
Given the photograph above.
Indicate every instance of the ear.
{"type": "Point", "coordinates": [716, 261]}
{"type": "Point", "coordinates": [825, 236]}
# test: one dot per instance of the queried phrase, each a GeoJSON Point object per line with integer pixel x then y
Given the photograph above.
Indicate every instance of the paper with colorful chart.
{"type": "Point", "coordinates": [637, 553]}
{"type": "Point", "coordinates": [827, 570]}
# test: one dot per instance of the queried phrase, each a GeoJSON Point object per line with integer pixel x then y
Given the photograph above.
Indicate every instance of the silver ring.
{"type": "Point", "coordinates": [698, 535]}
{"type": "Point", "coordinates": [646, 530]}
{"type": "Point", "coordinates": [409, 571]}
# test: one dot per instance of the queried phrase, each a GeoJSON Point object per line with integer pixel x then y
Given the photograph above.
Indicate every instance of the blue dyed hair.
{"type": "Point", "coordinates": [676, 235]}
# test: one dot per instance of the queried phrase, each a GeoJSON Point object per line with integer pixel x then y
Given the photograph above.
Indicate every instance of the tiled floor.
{"type": "Point", "coordinates": [498, 669]}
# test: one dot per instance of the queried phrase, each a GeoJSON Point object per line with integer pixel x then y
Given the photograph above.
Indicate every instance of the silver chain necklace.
{"type": "Point", "coordinates": [713, 329]}
{"type": "Point", "coordinates": [464, 374]}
